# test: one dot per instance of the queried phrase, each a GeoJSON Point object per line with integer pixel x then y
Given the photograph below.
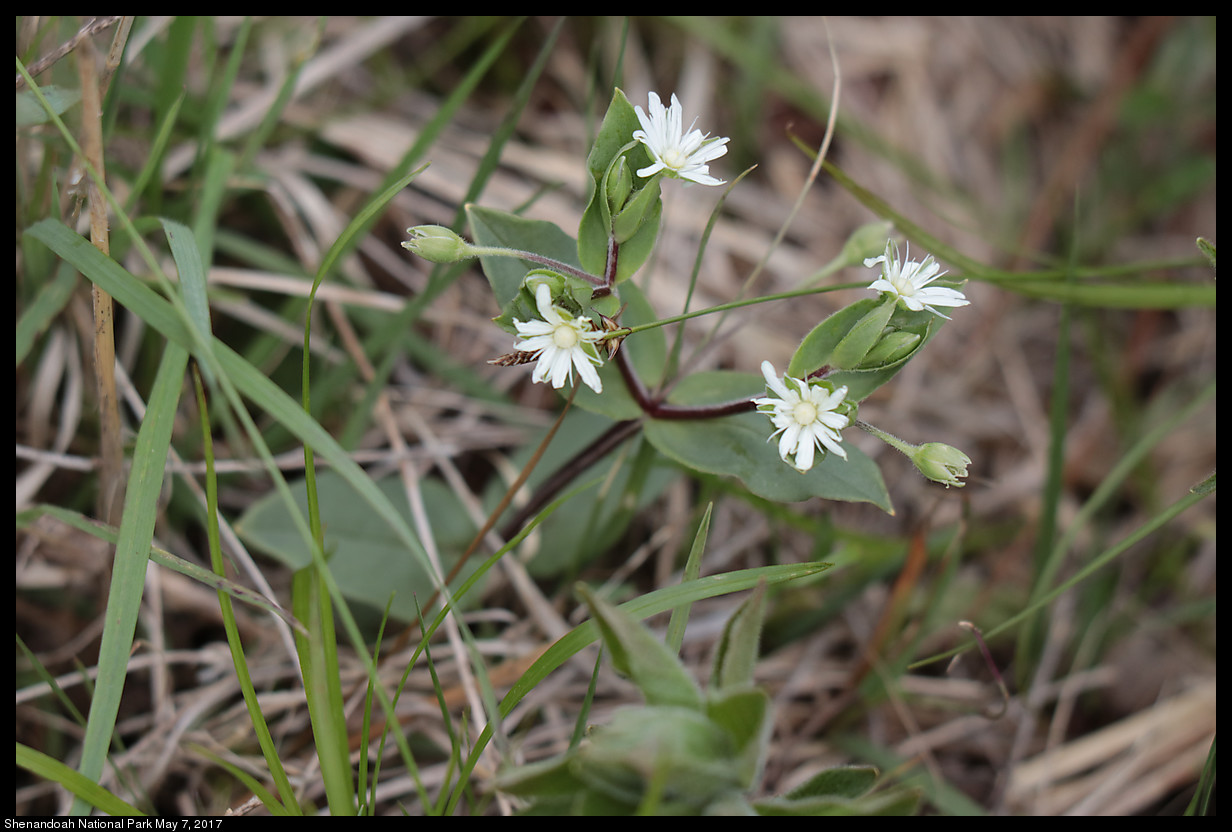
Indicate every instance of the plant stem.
{"type": "Point", "coordinates": [656, 408]}
{"type": "Point", "coordinates": [736, 304]}
{"type": "Point", "coordinates": [556, 265]}
{"type": "Point", "coordinates": [607, 442]}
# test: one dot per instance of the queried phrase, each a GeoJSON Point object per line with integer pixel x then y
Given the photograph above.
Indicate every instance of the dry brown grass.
{"type": "Point", "coordinates": [1009, 118]}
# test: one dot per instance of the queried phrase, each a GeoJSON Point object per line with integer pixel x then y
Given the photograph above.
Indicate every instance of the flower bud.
{"type": "Point", "coordinates": [894, 346]}
{"type": "Point", "coordinates": [618, 185]}
{"type": "Point", "coordinates": [941, 463]}
{"type": "Point", "coordinates": [437, 244]}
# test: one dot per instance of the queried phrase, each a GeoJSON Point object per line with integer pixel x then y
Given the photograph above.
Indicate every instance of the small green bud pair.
{"type": "Point", "coordinates": [437, 244]}
{"type": "Point", "coordinates": [629, 208]}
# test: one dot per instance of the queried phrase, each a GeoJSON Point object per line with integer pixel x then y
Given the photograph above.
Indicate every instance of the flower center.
{"type": "Point", "coordinates": [565, 337]}
{"type": "Point", "coordinates": [674, 158]}
{"type": "Point", "coordinates": [805, 413]}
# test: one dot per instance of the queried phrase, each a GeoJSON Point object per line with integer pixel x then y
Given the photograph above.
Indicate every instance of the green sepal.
{"type": "Point", "coordinates": [573, 294]}
{"type": "Point", "coordinates": [849, 352]}
{"type": "Point", "coordinates": [842, 336]}
{"type": "Point", "coordinates": [895, 347]}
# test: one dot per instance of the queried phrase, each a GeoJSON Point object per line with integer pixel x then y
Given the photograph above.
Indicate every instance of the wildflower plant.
{"type": "Point", "coordinates": [574, 312]}
{"type": "Point", "coordinates": [685, 750]}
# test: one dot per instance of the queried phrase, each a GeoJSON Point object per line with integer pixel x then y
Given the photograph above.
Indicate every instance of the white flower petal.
{"type": "Point", "coordinates": [679, 154]}
{"type": "Point", "coordinates": [909, 281]}
{"type": "Point", "coordinates": [590, 376]}
{"type": "Point", "coordinates": [797, 438]}
{"type": "Point", "coordinates": [804, 453]}
{"type": "Point", "coordinates": [562, 343]}
{"type": "Point", "coordinates": [773, 381]}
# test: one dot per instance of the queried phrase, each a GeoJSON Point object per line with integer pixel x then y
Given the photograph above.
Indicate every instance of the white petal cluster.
{"type": "Point", "coordinates": [562, 342]}
{"type": "Point", "coordinates": [677, 153]}
{"type": "Point", "coordinates": [804, 417]}
{"type": "Point", "coordinates": [909, 281]}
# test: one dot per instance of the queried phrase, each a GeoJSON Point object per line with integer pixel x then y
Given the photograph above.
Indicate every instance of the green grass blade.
{"type": "Point", "coordinates": [160, 556]}
{"type": "Point", "coordinates": [154, 159]}
{"type": "Point", "coordinates": [268, 799]}
{"type": "Point", "coordinates": [87, 791]}
{"type": "Point", "coordinates": [1205, 793]}
{"type": "Point", "coordinates": [234, 643]}
{"type": "Point", "coordinates": [692, 569]}
{"type": "Point", "coordinates": [128, 572]}
{"type": "Point", "coordinates": [47, 304]}
{"type": "Point", "coordinates": [1145, 530]}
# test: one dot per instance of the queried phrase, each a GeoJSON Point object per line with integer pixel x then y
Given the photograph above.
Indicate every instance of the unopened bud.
{"type": "Point", "coordinates": [894, 346]}
{"type": "Point", "coordinates": [941, 463]}
{"type": "Point", "coordinates": [437, 244]}
{"type": "Point", "coordinates": [618, 186]}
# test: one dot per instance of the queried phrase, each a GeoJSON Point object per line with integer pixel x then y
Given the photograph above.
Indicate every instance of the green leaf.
{"type": "Point", "coordinates": [895, 802]}
{"type": "Point", "coordinates": [738, 446]}
{"type": "Point", "coordinates": [652, 603]}
{"type": "Point", "coordinates": [739, 646]}
{"type": "Point", "coordinates": [30, 111]}
{"type": "Point", "coordinates": [840, 781]}
{"type": "Point", "coordinates": [490, 227]}
{"type": "Point", "coordinates": [745, 714]}
{"type": "Point", "coordinates": [689, 758]}
{"type": "Point", "coordinates": [192, 281]}
{"type": "Point", "coordinates": [136, 532]}
{"type": "Point", "coordinates": [641, 657]}
{"type": "Point", "coordinates": [367, 558]}
{"type": "Point", "coordinates": [543, 779]}
{"type": "Point", "coordinates": [692, 569]}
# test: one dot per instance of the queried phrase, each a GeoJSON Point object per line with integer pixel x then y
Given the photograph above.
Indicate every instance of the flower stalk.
{"type": "Point", "coordinates": [939, 462]}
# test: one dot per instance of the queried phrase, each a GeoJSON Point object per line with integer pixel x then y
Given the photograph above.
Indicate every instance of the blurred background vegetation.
{"type": "Point", "coordinates": [1072, 158]}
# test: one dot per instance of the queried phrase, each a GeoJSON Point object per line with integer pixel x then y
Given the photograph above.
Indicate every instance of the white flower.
{"type": "Point", "coordinates": [562, 342]}
{"type": "Point", "coordinates": [909, 281]}
{"type": "Point", "coordinates": [679, 154]}
{"type": "Point", "coordinates": [805, 417]}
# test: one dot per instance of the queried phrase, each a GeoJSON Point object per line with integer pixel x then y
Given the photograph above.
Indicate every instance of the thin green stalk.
{"type": "Point", "coordinates": [289, 803]}
{"type": "Point", "coordinates": [1030, 636]}
{"type": "Point", "coordinates": [1101, 560]}
{"type": "Point", "coordinates": [735, 304]}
